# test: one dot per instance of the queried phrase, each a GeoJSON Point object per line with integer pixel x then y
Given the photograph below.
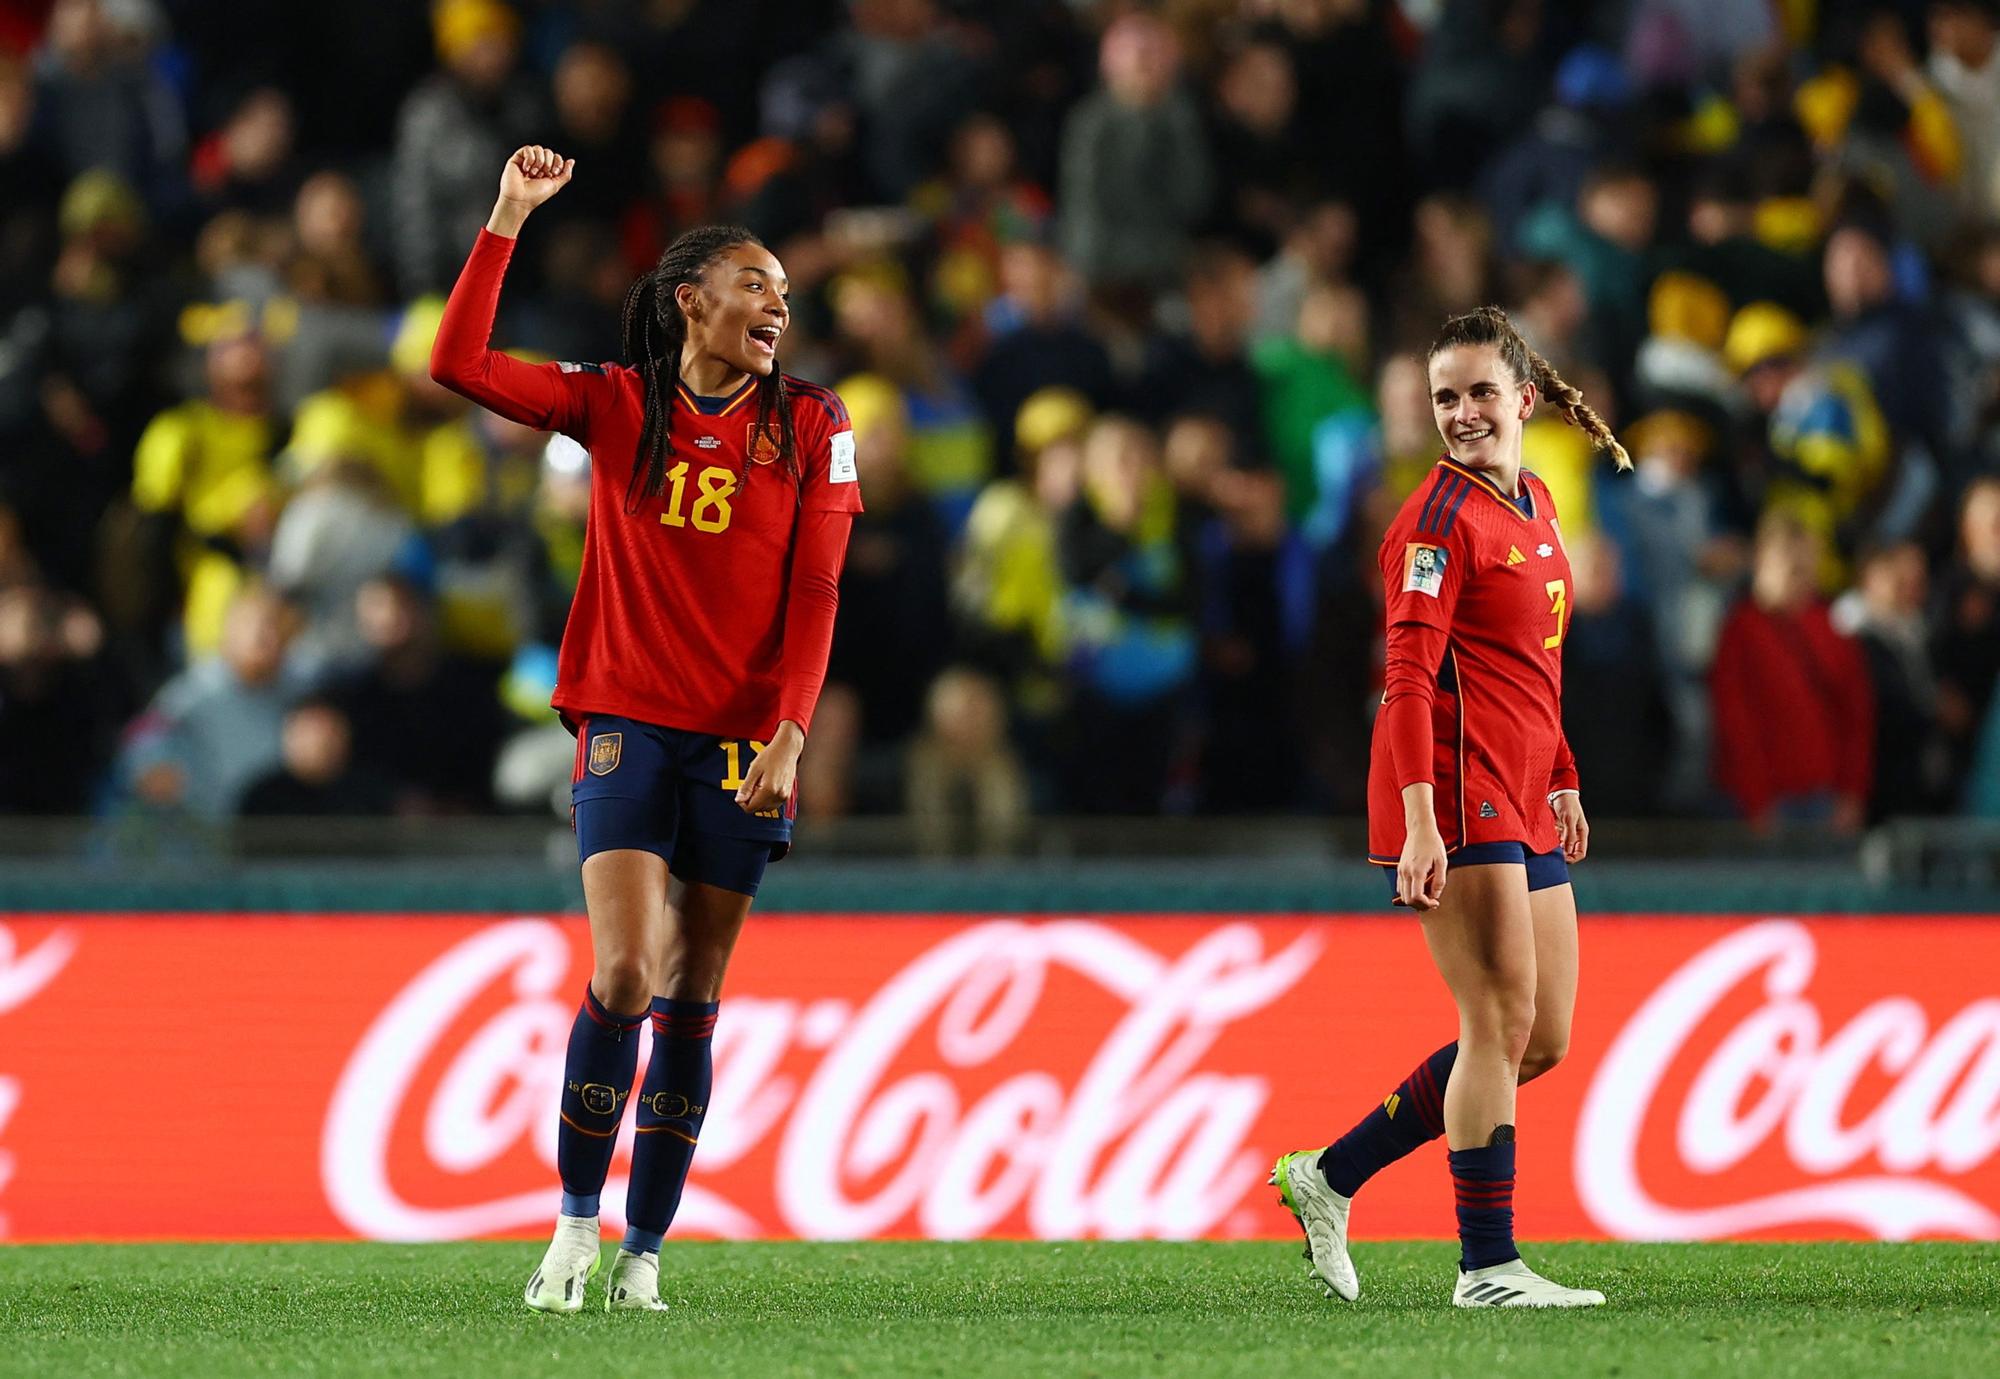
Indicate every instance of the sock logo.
{"type": "Point", "coordinates": [1394, 1100]}
{"type": "Point", "coordinates": [672, 1106]}
{"type": "Point", "coordinates": [598, 1098]}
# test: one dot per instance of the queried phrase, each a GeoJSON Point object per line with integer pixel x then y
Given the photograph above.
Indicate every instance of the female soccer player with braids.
{"type": "Point", "coordinates": [721, 496]}
{"type": "Point", "coordinates": [1471, 774]}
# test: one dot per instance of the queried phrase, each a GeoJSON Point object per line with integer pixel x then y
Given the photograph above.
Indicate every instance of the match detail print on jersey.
{"type": "Point", "coordinates": [840, 469]}
{"type": "Point", "coordinates": [1423, 569]}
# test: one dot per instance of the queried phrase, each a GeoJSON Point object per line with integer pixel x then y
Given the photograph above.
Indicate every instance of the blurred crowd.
{"type": "Point", "coordinates": [1128, 303]}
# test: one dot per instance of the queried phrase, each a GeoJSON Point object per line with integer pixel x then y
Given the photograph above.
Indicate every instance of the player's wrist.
{"type": "Point", "coordinates": [508, 217]}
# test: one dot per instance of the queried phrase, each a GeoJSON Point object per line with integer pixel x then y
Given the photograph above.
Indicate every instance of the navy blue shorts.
{"type": "Point", "coordinates": [665, 791]}
{"type": "Point", "coordinates": [1545, 869]}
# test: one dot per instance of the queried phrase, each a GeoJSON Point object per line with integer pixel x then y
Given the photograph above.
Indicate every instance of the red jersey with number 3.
{"type": "Point", "coordinates": [1478, 602]}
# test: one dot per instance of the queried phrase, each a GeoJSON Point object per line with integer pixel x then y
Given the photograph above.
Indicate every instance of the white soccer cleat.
{"type": "Point", "coordinates": [634, 1285]}
{"type": "Point", "coordinates": [566, 1270]}
{"type": "Point", "coordinates": [1514, 1284]}
{"type": "Point", "coordinates": [1322, 1215]}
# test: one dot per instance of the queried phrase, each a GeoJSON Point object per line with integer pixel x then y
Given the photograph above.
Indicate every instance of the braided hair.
{"type": "Point", "coordinates": [1488, 325]}
{"type": "Point", "coordinates": [654, 336]}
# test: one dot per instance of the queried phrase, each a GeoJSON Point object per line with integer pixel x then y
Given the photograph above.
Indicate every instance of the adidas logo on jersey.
{"type": "Point", "coordinates": [707, 443]}
{"type": "Point", "coordinates": [1514, 556]}
{"type": "Point", "coordinates": [1487, 811]}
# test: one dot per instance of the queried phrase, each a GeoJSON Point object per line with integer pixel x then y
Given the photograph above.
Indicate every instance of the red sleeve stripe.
{"type": "Point", "coordinates": [582, 748]}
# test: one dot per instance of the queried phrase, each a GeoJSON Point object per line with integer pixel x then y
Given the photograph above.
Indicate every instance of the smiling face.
{"type": "Point", "coordinates": [1478, 405]}
{"type": "Point", "coordinates": [738, 312]}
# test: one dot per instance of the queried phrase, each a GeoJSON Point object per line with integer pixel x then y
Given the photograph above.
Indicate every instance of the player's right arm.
{"type": "Point", "coordinates": [1424, 562]}
{"type": "Point", "coordinates": [545, 396]}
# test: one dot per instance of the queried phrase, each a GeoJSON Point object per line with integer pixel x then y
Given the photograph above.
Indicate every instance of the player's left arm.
{"type": "Point", "coordinates": [1566, 803]}
{"type": "Point", "coordinates": [829, 499]}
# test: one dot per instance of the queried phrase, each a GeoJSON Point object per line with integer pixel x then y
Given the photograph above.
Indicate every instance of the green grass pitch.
{"type": "Point", "coordinates": [997, 1308]}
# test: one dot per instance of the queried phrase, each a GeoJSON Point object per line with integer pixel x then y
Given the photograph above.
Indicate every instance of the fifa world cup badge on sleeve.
{"type": "Point", "coordinates": [1423, 569]}
{"type": "Point", "coordinates": [840, 469]}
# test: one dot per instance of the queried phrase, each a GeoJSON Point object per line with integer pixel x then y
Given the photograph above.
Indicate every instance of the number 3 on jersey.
{"type": "Point", "coordinates": [711, 505]}
{"type": "Point", "coordinates": [1559, 606]}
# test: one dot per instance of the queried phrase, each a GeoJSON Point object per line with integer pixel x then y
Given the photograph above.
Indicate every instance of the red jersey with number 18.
{"type": "Point", "coordinates": [684, 601]}
{"type": "Point", "coordinates": [1479, 592]}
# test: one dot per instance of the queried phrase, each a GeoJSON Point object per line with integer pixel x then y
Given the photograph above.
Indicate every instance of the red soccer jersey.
{"type": "Point", "coordinates": [687, 609]}
{"type": "Point", "coordinates": [1478, 605]}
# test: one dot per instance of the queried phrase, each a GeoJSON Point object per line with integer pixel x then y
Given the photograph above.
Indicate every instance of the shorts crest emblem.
{"type": "Point", "coordinates": [605, 749]}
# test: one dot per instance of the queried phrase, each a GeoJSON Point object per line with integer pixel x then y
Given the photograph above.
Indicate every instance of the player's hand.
{"type": "Point", "coordinates": [1572, 829]}
{"type": "Point", "coordinates": [532, 176]}
{"type": "Point", "coordinates": [774, 773]}
{"type": "Point", "coordinates": [1420, 871]}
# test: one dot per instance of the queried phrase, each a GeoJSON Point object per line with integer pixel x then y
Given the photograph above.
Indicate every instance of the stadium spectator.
{"type": "Point", "coordinates": [1036, 339]}
{"type": "Point", "coordinates": [1794, 713]}
{"type": "Point", "coordinates": [1965, 66]}
{"type": "Point", "coordinates": [429, 722]}
{"type": "Point", "coordinates": [966, 792]}
{"type": "Point", "coordinates": [1127, 609]}
{"type": "Point", "coordinates": [1968, 620]}
{"type": "Point", "coordinates": [205, 499]}
{"type": "Point", "coordinates": [102, 104]}
{"type": "Point", "coordinates": [57, 697]}
{"type": "Point", "coordinates": [315, 777]}
{"type": "Point", "coordinates": [886, 645]}
{"type": "Point", "coordinates": [218, 725]}
{"type": "Point", "coordinates": [457, 125]}
{"type": "Point", "coordinates": [1137, 172]}
{"type": "Point", "coordinates": [1885, 613]}
{"type": "Point", "coordinates": [1827, 445]}
{"type": "Point", "coordinates": [331, 262]}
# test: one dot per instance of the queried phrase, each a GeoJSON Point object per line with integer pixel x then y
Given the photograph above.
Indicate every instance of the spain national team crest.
{"type": "Point", "coordinates": [763, 443]}
{"type": "Point", "coordinates": [605, 749]}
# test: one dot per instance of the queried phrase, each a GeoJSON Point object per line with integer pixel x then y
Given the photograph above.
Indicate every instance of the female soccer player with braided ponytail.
{"type": "Point", "coordinates": [722, 492]}
{"type": "Point", "coordinates": [1471, 774]}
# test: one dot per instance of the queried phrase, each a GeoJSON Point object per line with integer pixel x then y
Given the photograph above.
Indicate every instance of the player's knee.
{"type": "Point", "coordinates": [1504, 1020]}
{"type": "Point", "coordinates": [695, 972]}
{"type": "Point", "coordinates": [1543, 1053]}
{"type": "Point", "coordinates": [623, 981]}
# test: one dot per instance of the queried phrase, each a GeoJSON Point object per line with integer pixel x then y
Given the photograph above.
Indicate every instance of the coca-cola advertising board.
{"type": "Point", "coordinates": [387, 1077]}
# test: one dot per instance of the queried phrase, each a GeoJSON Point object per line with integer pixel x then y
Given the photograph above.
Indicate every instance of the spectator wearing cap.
{"type": "Point", "coordinates": [454, 129]}
{"type": "Point", "coordinates": [1680, 360]}
{"type": "Point", "coordinates": [1007, 585]}
{"type": "Point", "coordinates": [1827, 444]}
